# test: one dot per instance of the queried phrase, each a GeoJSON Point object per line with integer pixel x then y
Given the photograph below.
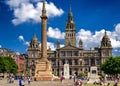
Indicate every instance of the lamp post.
{"type": "Point", "coordinates": [58, 63]}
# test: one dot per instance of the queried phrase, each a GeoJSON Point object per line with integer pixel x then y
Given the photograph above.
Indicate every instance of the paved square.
{"type": "Point", "coordinates": [39, 83]}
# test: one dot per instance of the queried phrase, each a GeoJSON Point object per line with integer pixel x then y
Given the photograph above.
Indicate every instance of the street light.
{"type": "Point", "coordinates": [58, 63]}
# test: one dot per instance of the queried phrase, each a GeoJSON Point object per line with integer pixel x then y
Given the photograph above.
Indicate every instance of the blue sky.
{"type": "Point", "coordinates": [19, 20]}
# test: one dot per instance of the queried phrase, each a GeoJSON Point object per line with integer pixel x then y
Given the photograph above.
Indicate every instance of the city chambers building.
{"type": "Point", "coordinates": [79, 60]}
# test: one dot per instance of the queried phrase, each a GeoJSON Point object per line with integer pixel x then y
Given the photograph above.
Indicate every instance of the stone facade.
{"type": "Point", "coordinates": [6, 52]}
{"type": "Point", "coordinates": [77, 58]}
{"type": "Point", "coordinates": [33, 55]}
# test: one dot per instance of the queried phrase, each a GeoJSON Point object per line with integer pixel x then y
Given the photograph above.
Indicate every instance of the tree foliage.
{"type": "Point", "coordinates": [54, 73]}
{"type": "Point", "coordinates": [8, 65]}
{"type": "Point", "coordinates": [111, 66]}
{"type": "Point", "coordinates": [81, 74]}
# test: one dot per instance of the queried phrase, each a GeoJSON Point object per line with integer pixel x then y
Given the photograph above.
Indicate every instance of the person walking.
{"type": "Point", "coordinates": [29, 80]}
{"type": "Point", "coordinates": [21, 81]}
{"type": "Point", "coordinates": [62, 78]}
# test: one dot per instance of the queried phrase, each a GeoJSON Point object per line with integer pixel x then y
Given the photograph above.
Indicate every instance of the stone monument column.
{"type": "Point", "coordinates": [43, 69]}
{"type": "Point", "coordinates": [43, 34]}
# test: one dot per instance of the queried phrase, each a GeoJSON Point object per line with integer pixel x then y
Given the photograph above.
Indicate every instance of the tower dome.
{"type": "Point", "coordinates": [106, 41]}
{"type": "Point", "coordinates": [34, 43]}
{"type": "Point", "coordinates": [105, 37]}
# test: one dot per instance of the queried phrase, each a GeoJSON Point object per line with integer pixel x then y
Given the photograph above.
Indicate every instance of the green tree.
{"type": "Point", "coordinates": [81, 74]}
{"type": "Point", "coordinates": [2, 65]}
{"type": "Point", "coordinates": [54, 73]}
{"type": "Point", "coordinates": [8, 65]}
{"type": "Point", "coordinates": [111, 66]}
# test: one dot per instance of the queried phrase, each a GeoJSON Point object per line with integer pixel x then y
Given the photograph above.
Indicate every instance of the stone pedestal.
{"type": "Point", "coordinates": [43, 70]}
{"type": "Point", "coordinates": [66, 71]}
{"type": "Point", "coordinates": [93, 75]}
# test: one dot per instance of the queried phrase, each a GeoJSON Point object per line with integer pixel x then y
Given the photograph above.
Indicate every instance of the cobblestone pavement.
{"type": "Point", "coordinates": [39, 83]}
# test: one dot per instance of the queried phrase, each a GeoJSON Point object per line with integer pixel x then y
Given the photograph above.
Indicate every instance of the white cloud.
{"type": "Point", "coordinates": [90, 40]}
{"type": "Point", "coordinates": [25, 10]}
{"type": "Point", "coordinates": [55, 33]}
{"type": "Point", "coordinates": [62, 45]}
{"type": "Point", "coordinates": [21, 38]}
{"type": "Point", "coordinates": [55, 11]}
{"type": "Point", "coordinates": [115, 43]}
{"type": "Point", "coordinates": [24, 14]}
{"type": "Point", "coordinates": [0, 46]}
{"type": "Point", "coordinates": [16, 3]}
{"type": "Point", "coordinates": [117, 29]}
{"type": "Point", "coordinates": [93, 40]}
{"type": "Point", "coordinates": [26, 43]}
{"type": "Point", "coordinates": [51, 45]}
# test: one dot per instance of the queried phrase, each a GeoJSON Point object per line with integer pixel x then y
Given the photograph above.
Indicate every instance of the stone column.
{"type": "Point", "coordinates": [89, 62]}
{"type": "Point", "coordinates": [56, 61]}
{"type": "Point", "coordinates": [43, 32]}
{"type": "Point", "coordinates": [78, 62]}
{"type": "Point", "coordinates": [65, 53]}
{"type": "Point", "coordinates": [73, 62]}
{"type": "Point", "coordinates": [83, 62]}
{"type": "Point", "coordinates": [60, 62]}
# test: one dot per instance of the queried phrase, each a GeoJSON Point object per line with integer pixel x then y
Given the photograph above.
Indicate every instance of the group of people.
{"type": "Point", "coordinates": [10, 79]}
